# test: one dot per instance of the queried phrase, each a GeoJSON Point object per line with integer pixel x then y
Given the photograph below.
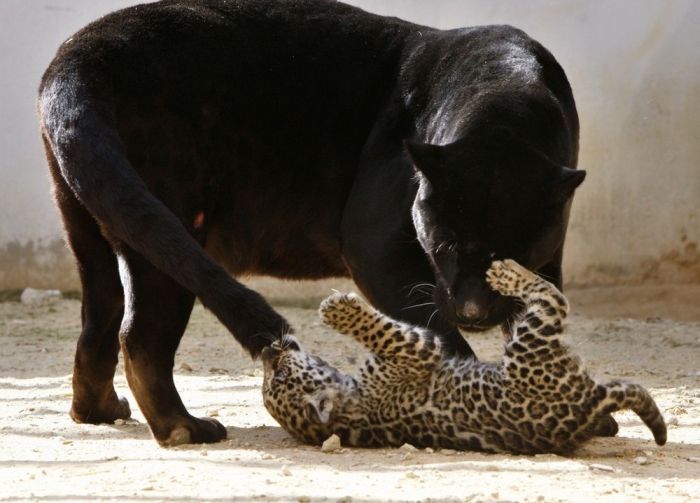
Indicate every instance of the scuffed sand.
{"type": "Point", "coordinates": [44, 455]}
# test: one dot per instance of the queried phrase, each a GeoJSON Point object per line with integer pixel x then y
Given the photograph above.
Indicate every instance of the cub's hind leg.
{"type": "Point", "coordinates": [541, 325]}
{"type": "Point", "coordinates": [511, 279]}
{"type": "Point", "coordinates": [94, 398]}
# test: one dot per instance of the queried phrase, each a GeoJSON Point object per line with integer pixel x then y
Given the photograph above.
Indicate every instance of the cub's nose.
{"type": "Point", "coordinates": [268, 353]}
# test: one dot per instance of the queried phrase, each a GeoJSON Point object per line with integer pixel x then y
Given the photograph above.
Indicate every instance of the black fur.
{"type": "Point", "coordinates": [203, 139]}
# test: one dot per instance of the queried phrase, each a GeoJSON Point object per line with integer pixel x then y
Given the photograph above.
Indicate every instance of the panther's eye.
{"type": "Point", "coordinates": [280, 375]}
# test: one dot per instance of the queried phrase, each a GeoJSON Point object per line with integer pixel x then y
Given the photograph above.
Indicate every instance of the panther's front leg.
{"type": "Point", "coordinates": [382, 335]}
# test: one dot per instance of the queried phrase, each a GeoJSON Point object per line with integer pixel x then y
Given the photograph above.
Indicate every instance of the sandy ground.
{"type": "Point", "coordinates": [45, 456]}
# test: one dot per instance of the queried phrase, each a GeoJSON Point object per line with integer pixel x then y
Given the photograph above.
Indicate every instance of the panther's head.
{"type": "Point", "coordinates": [479, 202]}
{"type": "Point", "coordinates": [300, 390]}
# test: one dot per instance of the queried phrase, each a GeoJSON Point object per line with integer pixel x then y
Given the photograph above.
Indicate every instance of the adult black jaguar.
{"type": "Point", "coordinates": [192, 140]}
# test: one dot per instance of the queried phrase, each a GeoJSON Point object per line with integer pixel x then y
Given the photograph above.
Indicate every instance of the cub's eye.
{"type": "Point", "coordinates": [280, 375]}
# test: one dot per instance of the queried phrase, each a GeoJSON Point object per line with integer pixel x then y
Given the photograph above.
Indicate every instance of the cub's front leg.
{"type": "Point", "coordinates": [384, 336]}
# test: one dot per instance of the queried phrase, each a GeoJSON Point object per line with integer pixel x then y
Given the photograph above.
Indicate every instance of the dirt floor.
{"type": "Point", "coordinates": [628, 333]}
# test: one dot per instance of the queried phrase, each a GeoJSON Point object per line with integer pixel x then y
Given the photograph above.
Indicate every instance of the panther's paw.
{"type": "Point", "coordinates": [340, 310]}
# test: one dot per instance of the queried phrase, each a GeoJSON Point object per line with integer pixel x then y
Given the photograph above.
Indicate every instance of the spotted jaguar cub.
{"type": "Point", "coordinates": [538, 399]}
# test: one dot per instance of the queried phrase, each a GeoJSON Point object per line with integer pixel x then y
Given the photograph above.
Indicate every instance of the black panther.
{"type": "Point", "coordinates": [190, 141]}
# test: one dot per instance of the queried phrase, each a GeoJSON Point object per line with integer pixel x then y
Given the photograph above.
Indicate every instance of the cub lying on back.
{"type": "Point", "coordinates": [538, 399]}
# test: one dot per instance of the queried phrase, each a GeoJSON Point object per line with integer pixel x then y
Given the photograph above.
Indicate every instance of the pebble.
{"type": "Point", "coordinates": [429, 450]}
{"type": "Point", "coordinates": [641, 460]}
{"type": "Point", "coordinates": [286, 471]}
{"type": "Point", "coordinates": [694, 459]}
{"type": "Point", "coordinates": [602, 468]}
{"type": "Point", "coordinates": [411, 475]}
{"type": "Point", "coordinates": [408, 447]}
{"type": "Point", "coordinates": [119, 422]}
{"type": "Point", "coordinates": [331, 444]}
{"type": "Point", "coordinates": [185, 367]}
{"type": "Point", "coordinates": [304, 499]}
{"type": "Point", "coordinates": [213, 413]}
{"type": "Point", "coordinates": [448, 452]}
{"type": "Point", "coordinates": [34, 296]}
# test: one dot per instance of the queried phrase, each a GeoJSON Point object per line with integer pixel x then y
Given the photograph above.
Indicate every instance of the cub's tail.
{"type": "Point", "coordinates": [80, 132]}
{"type": "Point", "coordinates": [622, 395]}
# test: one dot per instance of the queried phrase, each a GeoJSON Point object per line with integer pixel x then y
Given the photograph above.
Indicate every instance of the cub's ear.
{"type": "Point", "coordinates": [566, 183]}
{"type": "Point", "coordinates": [427, 159]}
{"type": "Point", "coordinates": [318, 408]}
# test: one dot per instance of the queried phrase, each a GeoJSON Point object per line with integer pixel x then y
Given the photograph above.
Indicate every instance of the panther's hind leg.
{"type": "Point", "coordinates": [96, 356]}
{"type": "Point", "coordinates": [157, 310]}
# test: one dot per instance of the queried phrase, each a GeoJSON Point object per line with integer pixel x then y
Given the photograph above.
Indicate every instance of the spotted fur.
{"type": "Point", "coordinates": [537, 399]}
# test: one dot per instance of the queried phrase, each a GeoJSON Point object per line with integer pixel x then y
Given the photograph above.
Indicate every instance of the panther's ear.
{"type": "Point", "coordinates": [427, 159]}
{"type": "Point", "coordinates": [566, 183]}
{"type": "Point", "coordinates": [318, 408]}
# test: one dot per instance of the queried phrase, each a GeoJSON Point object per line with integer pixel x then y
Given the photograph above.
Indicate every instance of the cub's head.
{"type": "Point", "coordinates": [479, 201]}
{"type": "Point", "coordinates": [299, 390]}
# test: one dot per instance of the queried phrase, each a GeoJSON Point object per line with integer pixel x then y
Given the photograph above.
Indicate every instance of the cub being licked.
{"type": "Point", "coordinates": [537, 399]}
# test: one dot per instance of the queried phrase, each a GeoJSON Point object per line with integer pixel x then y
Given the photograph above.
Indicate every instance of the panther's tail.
{"type": "Point", "coordinates": [81, 134]}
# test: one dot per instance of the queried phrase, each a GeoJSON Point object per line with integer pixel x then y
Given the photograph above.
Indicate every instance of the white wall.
{"type": "Point", "coordinates": [634, 66]}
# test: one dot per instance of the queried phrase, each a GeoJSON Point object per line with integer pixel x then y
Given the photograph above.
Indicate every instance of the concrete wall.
{"type": "Point", "coordinates": [634, 66]}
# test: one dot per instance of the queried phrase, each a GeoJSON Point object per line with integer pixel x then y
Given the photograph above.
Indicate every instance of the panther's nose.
{"type": "Point", "coordinates": [472, 301]}
{"type": "Point", "coordinates": [473, 312]}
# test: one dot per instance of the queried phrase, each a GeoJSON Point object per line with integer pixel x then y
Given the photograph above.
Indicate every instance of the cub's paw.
{"type": "Point", "coordinates": [509, 278]}
{"type": "Point", "coordinates": [341, 310]}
